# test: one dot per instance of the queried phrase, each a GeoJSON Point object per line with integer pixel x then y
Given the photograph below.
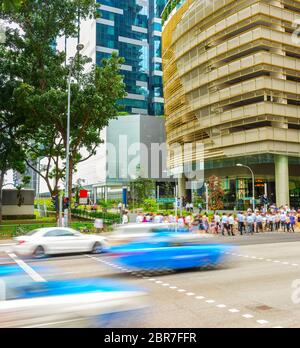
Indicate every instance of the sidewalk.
{"type": "Point", "coordinates": [6, 242]}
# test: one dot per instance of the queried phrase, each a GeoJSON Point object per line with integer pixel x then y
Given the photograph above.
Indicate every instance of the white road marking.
{"type": "Point", "coordinates": [233, 310]}
{"type": "Point", "coordinates": [247, 316]}
{"type": "Point", "coordinates": [32, 273]}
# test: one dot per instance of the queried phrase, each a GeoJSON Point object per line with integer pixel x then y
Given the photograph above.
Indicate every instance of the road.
{"type": "Point", "coordinates": [254, 289]}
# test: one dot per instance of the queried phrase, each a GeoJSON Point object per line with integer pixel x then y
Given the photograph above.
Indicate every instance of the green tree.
{"type": "Point", "coordinates": [8, 5]}
{"type": "Point", "coordinates": [216, 193]}
{"type": "Point", "coordinates": [141, 189]}
{"type": "Point", "coordinates": [12, 129]}
{"type": "Point", "coordinates": [30, 57]}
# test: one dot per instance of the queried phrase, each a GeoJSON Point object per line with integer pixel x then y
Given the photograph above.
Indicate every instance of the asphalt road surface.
{"type": "Point", "coordinates": [253, 290]}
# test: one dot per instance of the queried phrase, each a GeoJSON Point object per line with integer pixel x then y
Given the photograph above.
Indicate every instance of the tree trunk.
{"type": "Point", "coordinates": [1, 191]}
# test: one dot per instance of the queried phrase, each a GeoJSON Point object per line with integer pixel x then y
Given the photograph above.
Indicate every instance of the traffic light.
{"type": "Point", "coordinates": [66, 203]}
{"type": "Point", "coordinates": [55, 202]}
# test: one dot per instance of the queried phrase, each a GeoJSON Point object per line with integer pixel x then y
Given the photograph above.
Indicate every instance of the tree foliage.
{"type": "Point", "coordinates": [39, 77]}
{"type": "Point", "coordinates": [216, 193]}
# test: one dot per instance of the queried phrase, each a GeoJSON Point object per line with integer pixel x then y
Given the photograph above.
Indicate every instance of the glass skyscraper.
{"type": "Point", "coordinates": [133, 29]}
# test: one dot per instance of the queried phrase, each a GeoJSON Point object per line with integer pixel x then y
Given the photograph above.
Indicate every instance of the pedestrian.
{"type": "Point", "coordinates": [277, 221]}
{"type": "Point", "coordinates": [259, 225]}
{"type": "Point", "coordinates": [187, 207]}
{"type": "Point", "coordinates": [241, 222]}
{"type": "Point", "coordinates": [200, 208]}
{"type": "Point", "coordinates": [292, 221]}
{"type": "Point", "coordinates": [283, 220]}
{"type": "Point", "coordinates": [180, 222]}
{"type": "Point", "coordinates": [230, 224]}
{"type": "Point", "coordinates": [139, 218]}
{"type": "Point", "coordinates": [125, 218]}
{"type": "Point", "coordinates": [250, 223]}
{"type": "Point", "coordinates": [288, 223]}
{"type": "Point", "coordinates": [217, 222]}
{"type": "Point", "coordinates": [224, 222]}
{"type": "Point", "coordinates": [206, 223]}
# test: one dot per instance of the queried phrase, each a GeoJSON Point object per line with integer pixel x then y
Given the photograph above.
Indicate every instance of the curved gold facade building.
{"type": "Point", "coordinates": [232, 81]}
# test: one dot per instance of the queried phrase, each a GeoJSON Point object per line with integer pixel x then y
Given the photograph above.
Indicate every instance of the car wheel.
{"type": "Point", "coordinates": [97, 248]}
{"type": "Point", "coordinates": [39, 252]}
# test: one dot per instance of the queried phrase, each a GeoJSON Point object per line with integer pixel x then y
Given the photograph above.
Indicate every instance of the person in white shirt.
{"type": "Point", "coordinates": [187, 207]}
{"type": "Point", "coordinates": [125, 219]}
{"type": "Point", "coordinates": [217, 221]}
{"type": "Point", "coordinates": [224, 222]}
{"type": "Point", "coordinates": [250, 223]}
{"type": "Point", "coordinates": [171, 219]}
{"type": "Point", "coordinates": [189, 220]}
{"type": "Point", "coordinates": [139, 218]}
{"type": "Point", "coordinates": [230, 224]}
{"type": "Point", "coordinates": [157, 219]}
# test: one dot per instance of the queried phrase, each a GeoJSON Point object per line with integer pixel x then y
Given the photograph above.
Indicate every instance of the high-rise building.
{"type": "Point", "coordinates": [231, 81]}
{"type": "Point", "coordinates": [133, 29]}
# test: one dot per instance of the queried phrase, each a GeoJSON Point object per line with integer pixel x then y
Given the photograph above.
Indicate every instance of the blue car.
{"type": "Point", "coordinates": [86, 301]}
{"type": "Point", "coordinates": [170, 250]}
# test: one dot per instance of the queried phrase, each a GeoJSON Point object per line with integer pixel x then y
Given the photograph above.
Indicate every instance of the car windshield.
{"type": "Point", "coordinates": [32, 232]}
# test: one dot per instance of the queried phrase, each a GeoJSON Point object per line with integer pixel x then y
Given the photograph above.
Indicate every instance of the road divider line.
{"type": "Point", "coordinates": [231, 310]}
{"type": "Point", "coordinates": [31, 272]}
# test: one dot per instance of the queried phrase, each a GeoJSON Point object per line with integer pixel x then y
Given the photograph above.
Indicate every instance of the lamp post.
{"type": "Point", "coordinates": [253, 184]}
{"type": "Point", "coordinates": [79, 48]}
{"type": "Point", "coordinates": [206, 196]}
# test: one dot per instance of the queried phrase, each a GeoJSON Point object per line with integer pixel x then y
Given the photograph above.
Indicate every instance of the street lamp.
{"type": "Point", "coordinates": [79, 48]}
{"type": "Point", "coordinates": [253, 184]}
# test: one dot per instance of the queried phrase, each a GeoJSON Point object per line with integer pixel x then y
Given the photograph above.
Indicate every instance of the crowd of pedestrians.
{"type": "Point", "coordinates": [274, 219]}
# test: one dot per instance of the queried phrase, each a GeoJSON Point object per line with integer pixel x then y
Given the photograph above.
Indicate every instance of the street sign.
{"type": "Point", "coordinates": [83, 201]}
{"type": "Point", "coordinates": [83, 193]}
{"type": "Point", "coordinates": [165, 200]}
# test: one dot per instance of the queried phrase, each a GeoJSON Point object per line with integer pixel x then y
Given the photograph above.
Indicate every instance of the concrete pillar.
{"type": "Point", "coordinates": [95, 194]}
{"type": "Point", "coordinates": [182, 192]}
{"type": "Point", "coordinates": [282, 180]}
{"type": "Point", "coordinates": [106, 193]}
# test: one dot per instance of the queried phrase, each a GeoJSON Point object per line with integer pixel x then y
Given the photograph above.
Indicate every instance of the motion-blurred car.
{"type": "Point", "coordinates": [86, 302]}
{"type": "Point", "coordinates": [131, 232]}
{"type": "Point", "coordinates": [58, 240]}
{"type": "Point", "coordinates": [170, 250]}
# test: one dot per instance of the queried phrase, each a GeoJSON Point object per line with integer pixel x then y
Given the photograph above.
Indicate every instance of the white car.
{"type": "Point", "coordinates": [58, 240]}
{"type": "Point", "coordinates": [130, 232]}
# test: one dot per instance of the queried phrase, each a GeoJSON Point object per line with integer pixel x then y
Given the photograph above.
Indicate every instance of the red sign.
{"type": "Point", "coordinates": [83, 194]}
